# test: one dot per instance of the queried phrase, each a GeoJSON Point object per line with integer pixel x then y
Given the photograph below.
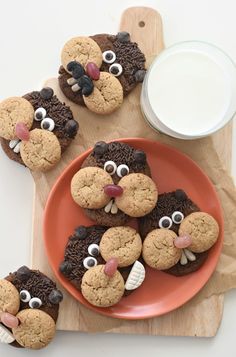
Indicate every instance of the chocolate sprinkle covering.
{"type": "Point", "coordinates": [38, 285]}
{"type": "Point", "coordinates": [77, 250]}
{"type": "Point", "coordinates": [166, 205]}
{"type": "Point", "coordinates": [120, 153]}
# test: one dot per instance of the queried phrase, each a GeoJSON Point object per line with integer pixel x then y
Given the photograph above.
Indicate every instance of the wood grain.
{"type": "Point", "coordinates": [196, 318]}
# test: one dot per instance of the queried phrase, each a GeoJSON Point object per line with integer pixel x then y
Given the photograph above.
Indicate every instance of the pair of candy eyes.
{"type": "Point", "coordinates": [115, 68]}
{"type": "Point", "coordinates": [34, 303]}
{"type": "Point", "coordinates": [166, 222]}
{"type": "Point", "coordinates": [90, 262]}
{"type": "Point", "coordinates": [110, 167]}
{"type": "Point", "coordinates": [40, 114]}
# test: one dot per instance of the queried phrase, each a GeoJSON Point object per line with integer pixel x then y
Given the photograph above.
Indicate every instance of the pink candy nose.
{"type": "Point", "coordinates": [93, 71]}
{"type": "Point", "coordinates": [113, 190]}
{"type": "Point", "coordinates": [22, 132]}
{"type": "Point", "coordinates": [182, 241]}
{"type": "Point", "coordinates": [111, 267]}
{"type": "Point", "coordinates": [9, 320]}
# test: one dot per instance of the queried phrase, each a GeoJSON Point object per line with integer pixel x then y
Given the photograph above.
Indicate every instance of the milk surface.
{"type": "Point", "coordinates": [189, 92]}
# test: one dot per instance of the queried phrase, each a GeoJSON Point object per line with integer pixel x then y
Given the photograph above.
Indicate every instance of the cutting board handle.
{"type": "Point", "coordinates": [145, 27]}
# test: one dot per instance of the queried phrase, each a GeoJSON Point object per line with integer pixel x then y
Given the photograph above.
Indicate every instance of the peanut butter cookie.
{"type": "Point", "coordinates": [9, 297]}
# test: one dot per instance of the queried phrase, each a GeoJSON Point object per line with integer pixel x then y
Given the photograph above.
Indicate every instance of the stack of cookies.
{"type": "Point", "coordinates": [108, 260]}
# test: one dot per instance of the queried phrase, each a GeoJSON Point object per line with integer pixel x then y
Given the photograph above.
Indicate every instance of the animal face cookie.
{"type": "Point", "coordinates": [29, 305]}
{"type": "Point", "coordinates": [175, 228]}
{"type": "Point", "coordinates": [89, 252]}
{"type": "Point", "coordinates": [122, 187]}
{"type": "Point", "coordinates": [99, 70]}
{"type": "Point", "coordinates": [36, 129]}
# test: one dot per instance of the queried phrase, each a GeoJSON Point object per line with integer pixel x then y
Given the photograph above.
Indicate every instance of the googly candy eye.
{"type": "Point", "coordinates": [93, 250]}
{"type": "Point", "coordinates": [25, 296]}
{"type": "Point", "coordinates": [35, 303]}
{"type": "Point", "coordinates": [177, 217]}
{"type": "Point", "coordinates": [40, 114]}
{"type": "Point", "coordinates": [89, 262]}
{"type": "Point", "coordinates": [110, 167]}
{"type": "Point", "coordinates": [116, 69]}
{"type": "Point", "coordinates": [109, 56]}
{"type": "Point", "coordinates": [165, 222]}
{"type": "Point", "coordinates": [122, 170]}
{"type": "Point", "coordinates": [48, 124]}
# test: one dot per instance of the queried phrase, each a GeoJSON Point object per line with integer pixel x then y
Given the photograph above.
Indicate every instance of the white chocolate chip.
{"type": "Point", "coordinates": [108, 206]}
{"type": "Point", "coordinates": [75, 87]}
{"type": "Point", "coordinates": [114, 208]}
{"type": "Point", "coordinates": [190, 256]}
{"type": "Point", "coordinates": [183, 259]}
{"type": "Point", "coordinates": [5, 335]}
{"type": "Point", "coordinates": [17, 148]}
{"type": "Point", "coordinates": [71, 81]}
{"type": "Point", "coordinates": [136, 276]}
{"type": "Point", "coordinates": [13, 143]}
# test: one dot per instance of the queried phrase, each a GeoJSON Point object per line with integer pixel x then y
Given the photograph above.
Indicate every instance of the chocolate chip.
{"type": "Point", "coordinates": [71, 128]}
{"type": "Point", "coordinates": [124, 172]}
{"type": "Point", "coordinates": [81, 232]}
{"type": "Point", "coordinates": [180, 195]}
{"type": "Point", "coordinates": [109, 56]}
{"type": "Point", "coordinates": [114, 69]}
{"type": "Point", "coordinates": [46, 125]}
{"type": "Point", "coordinates": [139, 75]}
{"type": "Point", "coordinates": [123, 36]}
{"type": "Point", "coordinates": [23, 273]}
{"type": "Point", "coordinates": [165, 223]}
{"type": "Point", "coordinates": [77, 71]}
{"type": "Point", "coordinates": [140, 156]}
{"type": "Point", "coordinates": [55, 297]}
{"type": "Point", "coordinates": [109, 169]}
{"type": "Point", "coordinates": [178, 218]}
{"type": "Point", "coordinates": [91, 262]}
{"type": "Point", "coordinates": [100, 148]}
{"type": "Point", "coordinates": [46, 93]}
{"type": "Point", "coordinates": [65, 267]}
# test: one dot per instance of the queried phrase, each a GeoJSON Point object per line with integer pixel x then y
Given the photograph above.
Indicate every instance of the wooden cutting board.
{"type": "Point", "coordinates": [194, 318]}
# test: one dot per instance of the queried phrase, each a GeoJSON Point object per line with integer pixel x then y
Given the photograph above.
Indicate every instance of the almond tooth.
{"type": "Point", "coordinates": [189, 255]}
{"type": "Point", "coordinates": [183, 259]}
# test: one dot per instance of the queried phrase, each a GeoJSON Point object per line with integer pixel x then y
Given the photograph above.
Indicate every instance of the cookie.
{"type": "Point", "coordinates": [190, 267]}
{"type": "Point", "coordinates": [100, 289]}
{"type": "Point", "coordinates": [203, 230]}
{"type": "Point", "coordinates": [36, 329]}
{"type": "Point", "coordinates": [87, 187]}
{"type": "Point", "coordinates": [159, 251]}
{"type": "Point", "coordinates": [123, 243]}
{"type": "Point", "coordinates": [120, 57]}
{"type": "Point", "coordinates": [12, 111]}
{"type": "Point", "coordinates": [169, 205]}
{"type": "Point", "coordinates": [117, 159]}
{"type": "Point", "coordinates": [82, 50]}
{"type": "Point", "coordinates": [107, 95]}
{"type": "Point", "coordinates": [9, 297]}
{"type": "Point", "coordinates": [139, 195]}
{"type": "Point", "coordinates": [48, 114]}
{"type": "Point", "coordinates": [32, 323]}
{"type": "Point", "coordinates": [42, 151]}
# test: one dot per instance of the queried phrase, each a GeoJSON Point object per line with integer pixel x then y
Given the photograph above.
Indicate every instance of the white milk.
{"type": "Point", "coordinates": [189, 92]}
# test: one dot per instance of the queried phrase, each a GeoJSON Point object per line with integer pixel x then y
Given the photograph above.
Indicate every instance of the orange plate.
{"type": "Point", "coordinates": [160, 292]}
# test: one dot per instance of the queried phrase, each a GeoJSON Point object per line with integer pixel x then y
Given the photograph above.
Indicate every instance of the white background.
{"type": "Point", "coordinates": [31, 36]}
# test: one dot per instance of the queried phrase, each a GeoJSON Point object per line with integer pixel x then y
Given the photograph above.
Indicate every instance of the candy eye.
{"type": "Point", "coordinates": [109, 56]}
{"type": "Point", "coordinates": [177, 217]}
{"type": "Point", "coordinates": [110, 167]}
{"type": "Point", "coordinates": [40, 114]}
{"type": "Point", "coordinates": [35, 303]}
{"type": "Point", "coordinates": [116, 69]}
{"type": "Point", "coordinates": [90, 262]}
{"type": "Point", "coordinates": [25, 296]}
{"type": "Point", "coordinates": [93, 250]}
{"type": "Point", "coordinates": [165, 222]}
{"type": "Point", "coordinates": [48, 124]}
{"type": "Point", "coordinates": [122, 170]}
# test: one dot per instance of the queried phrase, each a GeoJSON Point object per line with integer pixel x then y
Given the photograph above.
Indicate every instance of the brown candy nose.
{"type": "Point", "coordinates": [9, 320]}
{"type": "Point", "coordinates": [113, 190]}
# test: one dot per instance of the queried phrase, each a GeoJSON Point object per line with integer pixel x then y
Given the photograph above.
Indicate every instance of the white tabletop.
{"type": "Point", "coordinates": [31, 36]}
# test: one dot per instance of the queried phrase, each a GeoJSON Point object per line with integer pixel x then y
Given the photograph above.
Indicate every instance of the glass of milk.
{"type": "Point", "coordinates": [190, 90]}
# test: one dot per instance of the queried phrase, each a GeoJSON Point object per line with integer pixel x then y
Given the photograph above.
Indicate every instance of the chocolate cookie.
{"type": "Point", "coordinates": [118, 160]}
{"type": "Point", "coordinates": [31, 322]}
{"type": "Point", "coordinates": [171, 209]}
{"type": "Point", "coordinates": [120, 57]}
{"type": "Point", "coordinates": [42, 111]}
{"type": "Point", "coordinates": [83, 252]}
